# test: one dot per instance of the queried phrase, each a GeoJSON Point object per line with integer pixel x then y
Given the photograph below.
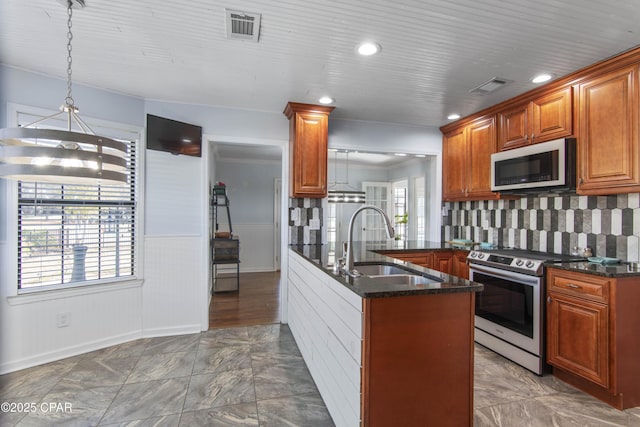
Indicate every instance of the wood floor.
{"type": "Point", "coordinates": [257, 303]}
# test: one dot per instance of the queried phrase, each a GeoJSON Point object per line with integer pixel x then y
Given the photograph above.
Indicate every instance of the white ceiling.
{"type": "Point", "coordinates": [433, 51]}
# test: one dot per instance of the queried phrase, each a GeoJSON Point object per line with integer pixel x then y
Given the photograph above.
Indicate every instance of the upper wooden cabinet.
{"type": "Point", "coordinates": [608, 144]}
{"type": "Point", "coordinates": [308, 134]}
{"type": "Point", "coordinates": [466, 161]}
{"type": "Point", "coordinates": [542, 119]}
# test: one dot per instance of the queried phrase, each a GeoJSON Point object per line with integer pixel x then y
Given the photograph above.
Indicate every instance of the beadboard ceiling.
{"type": "Point", "coordinates": [433, 51]}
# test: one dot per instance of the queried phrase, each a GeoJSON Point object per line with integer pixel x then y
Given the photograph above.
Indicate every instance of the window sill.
{"type": "Point", "coordinates": [33, 296]}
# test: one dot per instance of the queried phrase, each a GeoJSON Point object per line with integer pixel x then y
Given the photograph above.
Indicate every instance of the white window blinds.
{"type": "Point", "coordinates": [76, 233]}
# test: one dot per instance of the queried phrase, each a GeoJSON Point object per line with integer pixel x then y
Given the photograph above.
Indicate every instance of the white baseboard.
{"type": "Point", "coordinates": [257, 270]}
{"type": "Point", "coordinates": [63, 353]}
{"type": "Point", "coordinates": [171, 331]}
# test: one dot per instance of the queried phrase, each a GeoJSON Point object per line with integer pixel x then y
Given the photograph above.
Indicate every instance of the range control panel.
{"type": "Point", "coordinates": [525, 265]}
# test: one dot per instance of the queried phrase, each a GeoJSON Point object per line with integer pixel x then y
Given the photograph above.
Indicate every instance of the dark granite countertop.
{"type": "Point", "coordinates": [318, 255]}
{"type": "Point", "coordinates": [414, 245]}
{"type": "Point", "coordinates": [622, 269]}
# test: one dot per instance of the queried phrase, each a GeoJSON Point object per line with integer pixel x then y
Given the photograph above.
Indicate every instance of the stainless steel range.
{"type": "Point", "coordinates": [510, 311]}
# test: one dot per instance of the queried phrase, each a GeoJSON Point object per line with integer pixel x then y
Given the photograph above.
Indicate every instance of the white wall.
{"type": "Point", "coordinates": [384, 137]}
{"type": "Point", "coordinates": [250, 186]}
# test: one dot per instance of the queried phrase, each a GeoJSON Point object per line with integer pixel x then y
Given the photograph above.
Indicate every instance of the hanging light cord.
{"type": "Point", "coordinates": [69, 99]}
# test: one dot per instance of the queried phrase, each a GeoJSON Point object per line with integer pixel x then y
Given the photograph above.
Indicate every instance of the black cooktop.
{"type": "Point", "coordinates": [535, 255]}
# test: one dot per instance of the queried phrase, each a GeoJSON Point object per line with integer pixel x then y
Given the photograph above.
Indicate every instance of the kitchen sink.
{"type": "Point", "coordinates": [381, 270]}
{"type": "Point", "coordinates": [400, 279]}
{"type": "Point", "coordinates": [393, 275]}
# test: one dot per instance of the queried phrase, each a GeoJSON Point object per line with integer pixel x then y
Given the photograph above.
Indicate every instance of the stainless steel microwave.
{"type": "Point", "coordinates": [548, 166]}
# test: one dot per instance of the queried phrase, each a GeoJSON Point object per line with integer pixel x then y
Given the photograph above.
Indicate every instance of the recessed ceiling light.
{"type": "Point", "coordinates": [421, 155]}
{"type": "Point", "coordinates": [325, 100]}
{"type": "Point", "coordinates": [454, 116]}
{"type": "Point", "coordinates": [541, 78]}
{"type": "Point", "coordinates": [400, 154]}
{"type": "Point", "coordinates": [368, 48]}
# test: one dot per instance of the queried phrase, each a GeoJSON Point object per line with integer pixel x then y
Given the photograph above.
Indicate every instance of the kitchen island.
{"type": "Point", "coordinates": [384, 353]}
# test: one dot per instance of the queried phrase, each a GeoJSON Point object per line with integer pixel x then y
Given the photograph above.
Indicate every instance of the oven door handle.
{"type": "Point", "coordinates": [498, 273]}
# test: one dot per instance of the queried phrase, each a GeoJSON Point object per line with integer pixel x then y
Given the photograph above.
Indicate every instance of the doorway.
{"type": "Point", "coordinates": [252, 175]}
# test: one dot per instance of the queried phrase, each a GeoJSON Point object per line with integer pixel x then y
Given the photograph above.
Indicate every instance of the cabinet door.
{"type": "Point", "coordinates": [552, 116]}
{"type": "Point", "coordinates": [608, 152]}
{"type": "Point", "coordinates": [454, 165]}
{"type": "Point", "coordinates": [578, 337]}
{"type": "Point", "coordinates": [442, 261]}
{"type": "Point", "coordinates": [514, 127]}
{"type": "Point", "coordinates": [481, 140]}
{"type": "Point", "coordinates": [309, 173]}
{"type": "Point", "coordinates": [459, 265]}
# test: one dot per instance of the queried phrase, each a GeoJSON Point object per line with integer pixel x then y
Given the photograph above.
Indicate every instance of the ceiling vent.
{"type": "Point", "coordinates": [490, 86]}
{"type": "Point", "coordinates": [242, 25]}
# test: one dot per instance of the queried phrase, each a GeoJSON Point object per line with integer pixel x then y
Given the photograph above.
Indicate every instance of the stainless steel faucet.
{"type": "Point", "coordinates": [390, 233]}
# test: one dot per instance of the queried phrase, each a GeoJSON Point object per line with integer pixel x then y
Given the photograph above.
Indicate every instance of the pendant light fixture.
{"type": "Point", "coordinates": [346, 194]}
{"type": "Point", "coordinates": [35, 153]}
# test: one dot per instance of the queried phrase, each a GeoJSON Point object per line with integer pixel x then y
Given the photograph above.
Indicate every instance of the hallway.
{"type": "Point", "coordinates": [257, 302]}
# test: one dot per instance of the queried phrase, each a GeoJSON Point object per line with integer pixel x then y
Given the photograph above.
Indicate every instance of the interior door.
{"type": "Point", "coordinates": [372, 225]}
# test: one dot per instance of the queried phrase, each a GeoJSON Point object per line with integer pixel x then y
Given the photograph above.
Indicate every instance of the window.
{"type": "Point", "coordinates": [400, 209]}
{"type": "Point", "coordinates": [377, 194]}
{"type": "Point", "coordinates": [420, 207]}
{"type": "Point", "coordinates": [332, 232]}
{"type": "Point", "coordinates": [76, 234]}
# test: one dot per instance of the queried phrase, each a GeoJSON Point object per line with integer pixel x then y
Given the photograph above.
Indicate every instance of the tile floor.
{"type": "Point", "coordinates": [253, 376]}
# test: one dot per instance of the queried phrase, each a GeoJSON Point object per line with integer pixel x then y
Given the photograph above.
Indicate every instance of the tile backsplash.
{"type": "Point", "coordinates": [302, 215]}
{"type": "Point", "coordinates": [609, 225]}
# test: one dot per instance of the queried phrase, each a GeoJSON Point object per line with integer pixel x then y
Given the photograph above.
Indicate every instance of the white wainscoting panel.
{"type": "Point", "coordinates": [174, 272]}
{"type": "Point", "coordinates": [327, 325]}
{"type": "Point", "coordinates": [30, 335]}
{"type": "Point", "coordinates": [256, 246]}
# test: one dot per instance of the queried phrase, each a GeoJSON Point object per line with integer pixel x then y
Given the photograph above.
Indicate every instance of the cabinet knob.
{"type": "Point", "coordinates": [532, 137]}
{"type": "Point", "coordinates": [572, 286]}
{"type": "Point", "coordinates": [549, 299]}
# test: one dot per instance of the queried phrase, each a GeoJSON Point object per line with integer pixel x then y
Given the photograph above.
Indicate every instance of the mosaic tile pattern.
{"type": "Point", "coordinates": [301, 212]}
{"type": "Point", "coordinates": [609, 225]}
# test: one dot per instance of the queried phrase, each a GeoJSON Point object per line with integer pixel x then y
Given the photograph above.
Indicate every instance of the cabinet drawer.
{"type": "Point", "coordinates": [579, 285]}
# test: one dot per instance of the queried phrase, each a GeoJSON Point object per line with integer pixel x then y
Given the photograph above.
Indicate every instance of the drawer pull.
{"type": "Point", "coordinates": [572, 286]}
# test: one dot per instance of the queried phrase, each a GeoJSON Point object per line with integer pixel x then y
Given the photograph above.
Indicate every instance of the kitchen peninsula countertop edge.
{"type": "Point", "coordinates": [317, 255]}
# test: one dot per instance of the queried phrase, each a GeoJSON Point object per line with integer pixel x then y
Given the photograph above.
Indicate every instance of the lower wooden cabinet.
{"type": "Point", "coordinates": [423, 259]}
{"type": "Point", "coordinates": [459, 266]}
{"type": "Point", "coordinates": [593, 326]}
{"type": "Point", "coordinates": [442, 261]}
{"type": "Point", "coordinates": [580, 337]}
{"type": "Point", "coordinates": [417, 361]}
{"type": "Point", "coordinates": [447, 261]}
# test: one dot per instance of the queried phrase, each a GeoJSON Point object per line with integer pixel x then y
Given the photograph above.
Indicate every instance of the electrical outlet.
{"type": "Point", "coordinates": [63, 319]}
